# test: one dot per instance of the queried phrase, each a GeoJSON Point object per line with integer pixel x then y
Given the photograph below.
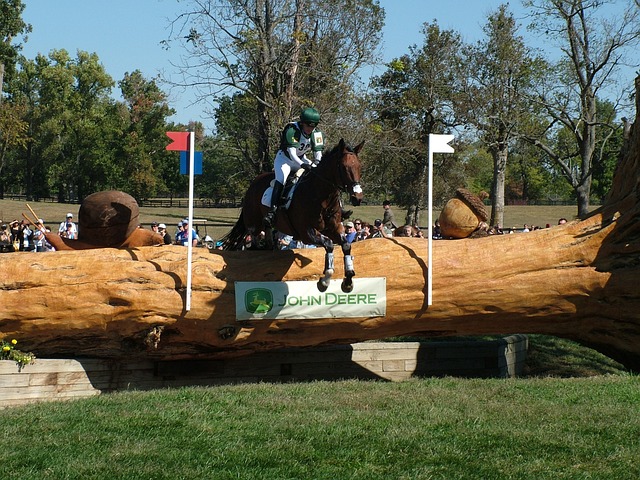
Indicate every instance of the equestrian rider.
{"type": "Point", "coordinates": [297, 139]}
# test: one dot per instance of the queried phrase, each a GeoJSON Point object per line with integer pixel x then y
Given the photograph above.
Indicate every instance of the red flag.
{"type": "Point", "coordinates": [180, 141]}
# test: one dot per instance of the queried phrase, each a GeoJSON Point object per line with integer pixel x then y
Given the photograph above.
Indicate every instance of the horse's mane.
{"type": "Point", "coordinates": [334, 153]}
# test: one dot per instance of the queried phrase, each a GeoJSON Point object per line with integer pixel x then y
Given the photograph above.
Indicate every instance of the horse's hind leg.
{"type": "Point", "coordinates": [349, 273]}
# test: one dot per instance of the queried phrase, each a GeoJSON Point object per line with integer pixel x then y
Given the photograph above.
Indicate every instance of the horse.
{"type": "Point", "coordinates": [314, 215]}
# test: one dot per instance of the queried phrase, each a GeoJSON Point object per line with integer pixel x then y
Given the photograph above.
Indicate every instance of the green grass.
{"type": "Point", "coordinates": [419, 429]}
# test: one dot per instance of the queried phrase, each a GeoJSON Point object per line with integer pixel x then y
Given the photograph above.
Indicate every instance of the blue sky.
{"type": "Point", "coordinates": [126, 34]}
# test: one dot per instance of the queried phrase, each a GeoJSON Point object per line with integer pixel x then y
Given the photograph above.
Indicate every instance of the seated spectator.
{"type": "Point", "coordinates": [357, 223]}
{"type": "Point", "coordinates": [379, 230]}
{"type": "Point", "coordinates": [405, 231]}
{"type": "Point", "coordinates": [188, 234]}
{"type": "Point", "coordinates": [162, 230]}
{"type": "Point", "coordinates": [350, 232]}
{"type": "Point", "coordinates": [178, 234]}
{"type": "Point", "coordinates": [69, 232]}
{"type": "Point", "coordinates": [562, 221]}
{"type": "Point", "coordinates": [436, 233]}
{"type": "Point", "coordinates": [364, 232]}
{"type": "Point", "coordinates": [285, 242]}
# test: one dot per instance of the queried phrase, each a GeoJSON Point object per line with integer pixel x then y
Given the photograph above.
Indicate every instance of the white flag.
{"type": "Point", "coordinates": [440, 143]}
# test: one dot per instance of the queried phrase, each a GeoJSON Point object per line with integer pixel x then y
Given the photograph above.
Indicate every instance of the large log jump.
{"type": "Point", "coordinates": [578, 281]}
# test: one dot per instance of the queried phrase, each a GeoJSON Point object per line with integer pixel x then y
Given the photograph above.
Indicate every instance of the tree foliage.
{"type": "Point", "coordinates": [413, 98]}
{"type": "Point", "coordinates": [281, 55]}
{"type": "Point", "coordinates": [594, 49]}
{"type": "Point", "coordinates": [501, 70]}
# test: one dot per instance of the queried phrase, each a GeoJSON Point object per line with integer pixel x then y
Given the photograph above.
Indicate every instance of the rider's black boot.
{"type": "Point", "coordinates": [269, 218]}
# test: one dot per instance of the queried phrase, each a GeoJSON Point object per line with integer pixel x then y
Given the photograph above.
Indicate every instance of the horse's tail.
{"type": "Point", "coordinates": [235, 238]}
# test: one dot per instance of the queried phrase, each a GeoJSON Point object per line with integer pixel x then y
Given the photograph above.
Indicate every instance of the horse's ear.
{"type": "Point", "coordinates": [341, 144]}
{"type": "Point", "coordinates": [359, 147]}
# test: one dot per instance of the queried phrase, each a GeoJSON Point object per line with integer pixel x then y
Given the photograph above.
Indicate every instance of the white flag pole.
{"type": "Point", "coordinates": [189, 239]}
{"type": "Point", "coordinates": [430, 230]}
{"type": "Point", "coordinates": [437, 144]}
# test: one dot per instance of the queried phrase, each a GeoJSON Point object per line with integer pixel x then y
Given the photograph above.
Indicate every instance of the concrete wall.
{"type": "Point", "coordinates": [393, 361]}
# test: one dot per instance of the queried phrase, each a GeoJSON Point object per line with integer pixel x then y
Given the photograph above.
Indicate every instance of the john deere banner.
{"type": "Point", "coordinates": [303, 300]}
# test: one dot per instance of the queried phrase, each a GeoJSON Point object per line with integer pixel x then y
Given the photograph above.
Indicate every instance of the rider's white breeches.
{"type": "Point", "coordinates": [283, 166]}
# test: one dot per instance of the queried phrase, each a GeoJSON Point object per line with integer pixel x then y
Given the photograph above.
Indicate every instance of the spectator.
{"type": "Point", "coordinates": [379, 230]}
{"type": "Point", "coordinates": [350, 232]}
{"type": "Point", "coordinates": [364, 232]}
{"type": "Point", "coordinates": [162, 230]}
{"type": "Point", "coordinates": [27, 244]}
{"type": "Point", "coordinates": [286, 242]}
{"type": "Point", "coordinates": [38, 237]}
{"type": "Point", "coordinates": [188, 234]}
{"type": "Point", "coordinates": [70, 232]}
{"type": "Point", "coordinates": [562, 221]}
{"type": "Point", "coordinates": [64, 227]}
{"type": "Point", "coordinates": [6, 245]}
{"type": "Point", "coordinates": [178, 234]}
{"type": "Point", "coordinates": [436, 234]}
{"type": "Point", "coordinates": [406, 231]}
{"type": "Point", "coordinates": [388, 218]}
{"type": "Point", "coordinates": [357, 223]}
{"type": "Point", "coordinates": [47, 246]}
{"type": "Point", "coordinates": [16, 234]}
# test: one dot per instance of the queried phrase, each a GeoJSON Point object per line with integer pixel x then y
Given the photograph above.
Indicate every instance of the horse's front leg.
{"type": "Point", "coordinates": [327, 244]}
{"type": "Point", "coordinates": [349, 273]}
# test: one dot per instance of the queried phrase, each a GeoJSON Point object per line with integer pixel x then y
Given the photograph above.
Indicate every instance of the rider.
{"type": "Point", "coordinates": [297, 139]}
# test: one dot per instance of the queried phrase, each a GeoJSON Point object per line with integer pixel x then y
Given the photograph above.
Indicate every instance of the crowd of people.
{"type": "Point", "coordinates": [25, 236]}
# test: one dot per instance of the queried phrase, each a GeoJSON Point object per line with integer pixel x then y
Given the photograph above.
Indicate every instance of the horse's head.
{"type": "Point", "coordinates": [349, 172]}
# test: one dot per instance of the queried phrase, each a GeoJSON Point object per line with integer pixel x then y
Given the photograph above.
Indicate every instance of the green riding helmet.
{"type": "Point", "coordinates": [310, 115]}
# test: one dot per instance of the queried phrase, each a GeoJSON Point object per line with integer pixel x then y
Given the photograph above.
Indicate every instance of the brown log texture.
{"type": "Point", "coordinates": [578, 281]}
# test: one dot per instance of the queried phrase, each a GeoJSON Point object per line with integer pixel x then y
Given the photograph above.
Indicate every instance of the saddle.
{"type": "Point", "coordinates": [287, 192]}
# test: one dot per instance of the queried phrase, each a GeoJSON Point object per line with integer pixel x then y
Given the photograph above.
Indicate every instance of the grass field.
{"type": "Point", "coordinates": [585, 428]}
{"type": "Point", "coordinates": [221, 219]}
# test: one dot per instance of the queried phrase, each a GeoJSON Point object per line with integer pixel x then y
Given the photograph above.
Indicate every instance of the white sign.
{"type": "Point", "coordinates": [303, 300]}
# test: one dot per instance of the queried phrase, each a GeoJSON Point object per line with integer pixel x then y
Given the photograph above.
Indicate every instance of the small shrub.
{"type": "Point", "coordinates": [8, 351]}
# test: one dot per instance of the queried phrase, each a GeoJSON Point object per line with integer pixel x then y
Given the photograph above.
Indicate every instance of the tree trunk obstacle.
{"type": "Point", "coordinates": [578, 281]}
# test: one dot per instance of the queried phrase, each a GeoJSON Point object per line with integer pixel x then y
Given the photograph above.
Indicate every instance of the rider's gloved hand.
{"type": "Point", "coordinates": [305, 166]}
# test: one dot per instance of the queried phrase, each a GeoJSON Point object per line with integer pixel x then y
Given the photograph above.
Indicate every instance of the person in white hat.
{"type": "Point", "coordinates": [64, 227]}
{"type": "Point", "coordinates": [162, 230]}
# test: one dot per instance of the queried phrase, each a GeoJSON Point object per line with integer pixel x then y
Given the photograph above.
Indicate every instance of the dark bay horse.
{"type": "Point", "coordinates": [314, 216]}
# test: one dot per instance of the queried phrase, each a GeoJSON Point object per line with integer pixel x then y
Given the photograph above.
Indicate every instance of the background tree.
{"type": "Point", "coordinates": [413, 99]}
{"type": "Point", "coordinates": [144, 140]}
{"type": "Point", "coordinates": [593, 50]}
{"type": "Point", "coordinates": [498, 71]}
{"type": "Point", "coordinates": [69, 101]}
{"type": "Point", "coordinates": [259, 47]}
{"type": "Point", "coordinates": [11, 26]}
{"type": "Point", "coordinates": [13, 130]}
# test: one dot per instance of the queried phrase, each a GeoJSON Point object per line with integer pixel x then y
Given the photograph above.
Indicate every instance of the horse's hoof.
{"type": "Point", "coordinates": [347, 285]}
{"type": "Point", "coordinates": [322, 286]}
